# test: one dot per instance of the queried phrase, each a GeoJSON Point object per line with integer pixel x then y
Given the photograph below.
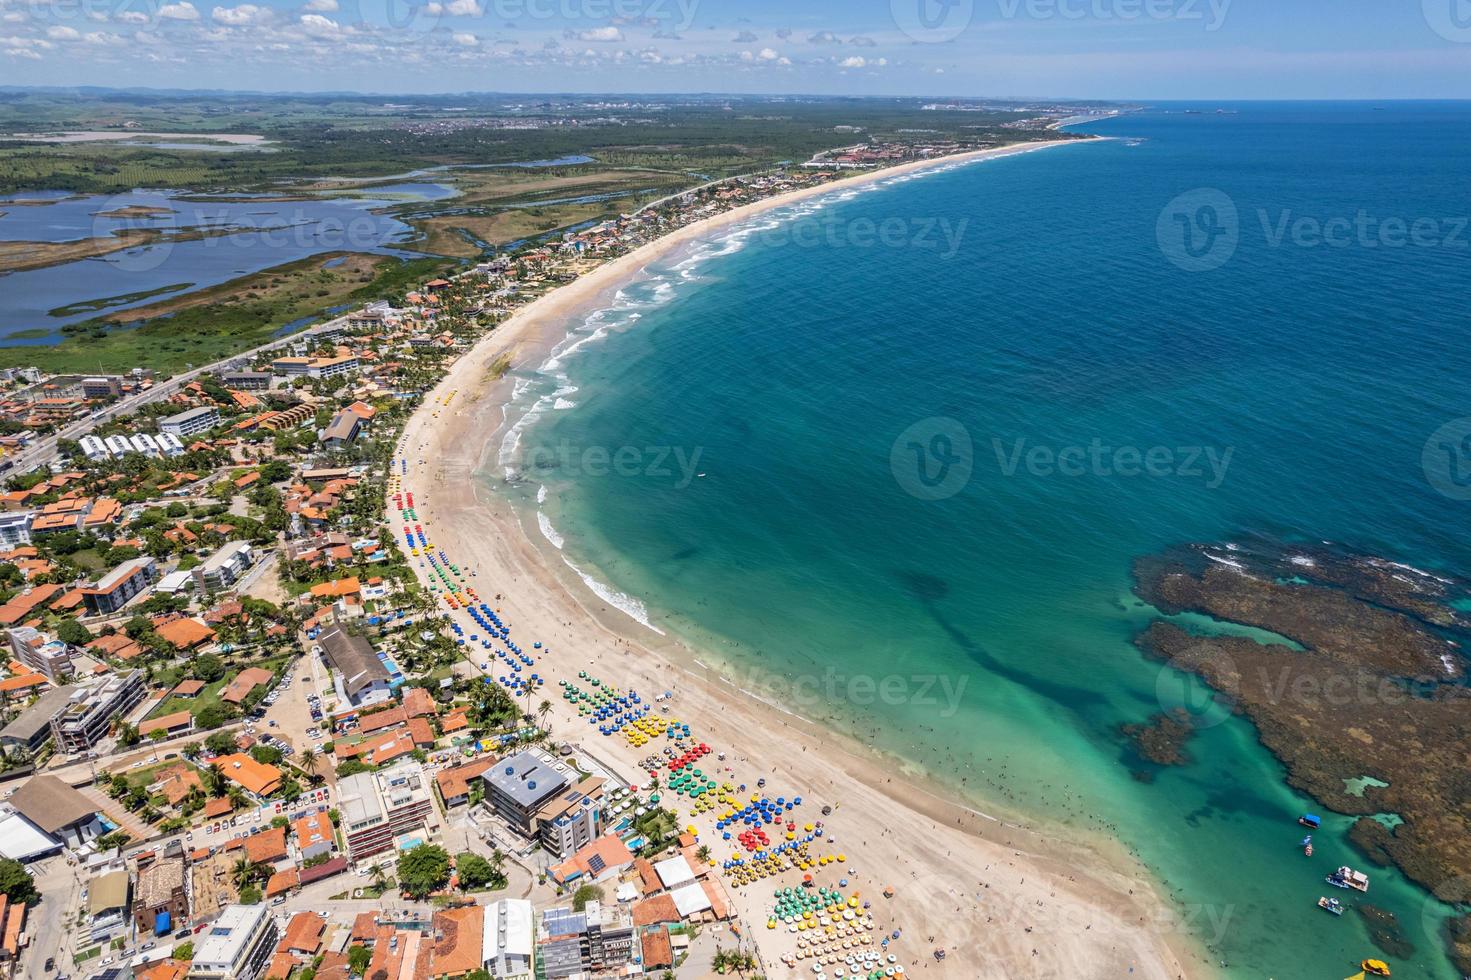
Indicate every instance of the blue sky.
{"type": "Point", "coordinates": [1107, 49]}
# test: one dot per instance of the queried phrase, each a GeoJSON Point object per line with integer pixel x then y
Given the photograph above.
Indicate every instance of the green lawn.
{"type": "Point", "coordinates": [210, 695]}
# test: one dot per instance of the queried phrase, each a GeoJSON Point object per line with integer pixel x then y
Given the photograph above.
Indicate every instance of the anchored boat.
{"type": "Point", "coordinates": [1346, 877]}
{"type": "Point", "coordinates": [1330, 905]}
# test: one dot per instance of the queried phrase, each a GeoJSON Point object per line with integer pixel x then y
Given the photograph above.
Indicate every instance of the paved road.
{"type": "Point", "coordinates": [43, 450]}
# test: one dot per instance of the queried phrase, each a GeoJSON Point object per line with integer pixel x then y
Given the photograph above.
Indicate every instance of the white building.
{"type": "Point", "coordinates": [119, 445]}
{"type": "Point", "coordinates": [15, 528]}
{"type": "Point", "coordinates": [238, 945]}
{"type": "Point", "coordinates": [94, 448]}
{"type": "Point", "coordinates": [143, 442]}
{"type": "Point", "coordinates": [224, 568]}
{"type": "Point", "coordinates": [192, 422]}
{"type": "Point", "coordinates": [170, 444]}
{"type": "Point", "coordinates": [508, 945]}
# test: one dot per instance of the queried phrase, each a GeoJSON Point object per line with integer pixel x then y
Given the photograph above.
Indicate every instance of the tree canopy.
{"type": "Point", "coordinates": [423, 870]}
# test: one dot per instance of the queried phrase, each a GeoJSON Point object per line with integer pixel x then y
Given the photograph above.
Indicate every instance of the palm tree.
{"type": "Point", "coordinates": [703, 854]}
{"type": "Point", "coordinates": [244, 873]}
{"type": "Point", "coordinates": [542, 710]}
{"type": "Point", "coordinates": [309, 765]}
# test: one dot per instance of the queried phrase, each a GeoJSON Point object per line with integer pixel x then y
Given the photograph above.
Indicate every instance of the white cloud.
{"type": "Point", "coordinates": [321, 6]}
{"type": "Point", "coordinates": [747, 56]}
{"type": "Point", "coordinates": [466, 39]}
{"type": "Point", "coordinates": [318, 26]}
{"type": "Point", "coordinates": [14, 17]}
{"type": "Point", "coordinates": [183, 10]}
{"type": "Point", "coordinates": [464, 8]}
{"type": "Point", "coordinates": [600, 34]}
{"type": "Point", "coordinates": [853, 62]}
{"type": "Point", "coordinates": [102, 38]}
{"type": "Point", "coordinates": [23, 53]}
{"type": "Point", "coordinates": [132, 17]}
{"type": "Point", "coordinates": [62, 33]}
{"type": "Point", "coordinates": [767, 54]}
{"type": "Point", "coordinates": [246, 13]}
{"type": "Point", "coordinates": [824, 37]}
{"type": "Point", "coordinates": [858, 40]}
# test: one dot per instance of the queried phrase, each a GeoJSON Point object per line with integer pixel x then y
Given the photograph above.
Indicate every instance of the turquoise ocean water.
{"type": "Point", "coordinates": [776, 390]}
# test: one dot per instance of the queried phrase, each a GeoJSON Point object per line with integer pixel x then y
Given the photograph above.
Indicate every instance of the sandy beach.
{"type": "Point", "coordinates": [1004, 900]}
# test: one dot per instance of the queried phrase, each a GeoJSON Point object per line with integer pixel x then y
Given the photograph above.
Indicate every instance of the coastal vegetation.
{"type": "Point", "coordinates": [204, 326]}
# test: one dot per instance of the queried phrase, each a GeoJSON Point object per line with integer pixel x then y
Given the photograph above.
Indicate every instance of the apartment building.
{"type": "Point", "coordinates": [94, 448]}
{"type": "Point", "coordinates": [15, 528]}
{"type": "Point", "coordinates": [246, 380]}
{"type": "Point", "coordinates": [376, 807]}
{"type": "Point", "coordinates": [192, 422]}
{"type": "Point", "coordinates": [85, 720]}
{"type": "Point", "coordinates": [225, 567]}
{"type": "Point", "coordinates": [118, 587]}
{"type": "Point", "coordinates": [238, 945]}
{"type": "Point", "coordinates": [42, 653]}
{"type": "Point", "coordinates": [508, 947]}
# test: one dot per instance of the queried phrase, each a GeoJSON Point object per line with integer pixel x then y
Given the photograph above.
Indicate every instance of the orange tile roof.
{"type": "Point", "coordinates": [650, 911]}
{"type": "Point", "coordinates": [244, 682]}
{"type": "Point", "coordinates": [20, 606]}
{"type": "Point", "coordinates": [658, 953]}
{"type": "Point", "coordinates": [175, 720]}
{"type": "Point", "coordinates": [22, 682]}
{"type": "Point", "coordinates": [218, 807]}
{"type": "Point", "coordinates": [460, 933]}
{"type": "Point", "coordinates": [256, 777]}
{"type": "Point", "coordinates": [266, 846]}
{"type": "Point", "coordinates": [417, 702]}
{"type": "Point", "coordinates": [379, 720]}
{"type": "Point", "coordinates": [281, 966]}
{"type": "Point", "coordinates": [282, 881]}
{"type": "Point", "coordinates": [71, 600]}
{"type": "Point", "coordinates": [341, 587]}
{"type": "Point", "coordinates": [455, 720]}
{"type": "Point", "coordinates": [456, 782]}
{"type": "Point", "coordinates": [304, 933]}
{"type": "Point", "coordinates": [314, 828]}
{"type": "Point", "coordinates": [162, 970]}
{"type": "Point", "coordinates": [184, 633]}
{"type": "Point", "coordinates": [610, 853]}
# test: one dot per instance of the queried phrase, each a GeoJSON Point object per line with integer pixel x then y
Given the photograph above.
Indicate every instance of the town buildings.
{"type": "Point", "coordinates": [85, 720]}
{"type": "Point", "coordinates": [377, 807]}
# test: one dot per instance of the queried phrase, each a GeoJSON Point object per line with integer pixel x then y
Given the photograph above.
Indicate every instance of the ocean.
{"type": "Point", "coordinates": [888, 456]}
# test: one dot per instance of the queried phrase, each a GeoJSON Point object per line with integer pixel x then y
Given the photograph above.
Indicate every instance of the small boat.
{"type": "Point", "coordinates": [1346, 877]}
{"type": "Point", "coordinates": [1310, 820]}
{"type": "Point", "coordinates": [1330, 905]}
{"type": "Point", "coordinates": [1377, 967]}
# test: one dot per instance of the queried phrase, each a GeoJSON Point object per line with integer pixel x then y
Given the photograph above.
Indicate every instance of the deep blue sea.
{"type": "Point", "coordinates": [889, 456]}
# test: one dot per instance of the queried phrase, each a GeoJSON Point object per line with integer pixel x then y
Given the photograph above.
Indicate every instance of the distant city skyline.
{"type": "Point", "coordinates": [1104, 49]}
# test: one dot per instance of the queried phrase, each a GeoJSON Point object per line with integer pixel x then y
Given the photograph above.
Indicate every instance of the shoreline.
{"type": "Point", "coordinates": [1027, 902]}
